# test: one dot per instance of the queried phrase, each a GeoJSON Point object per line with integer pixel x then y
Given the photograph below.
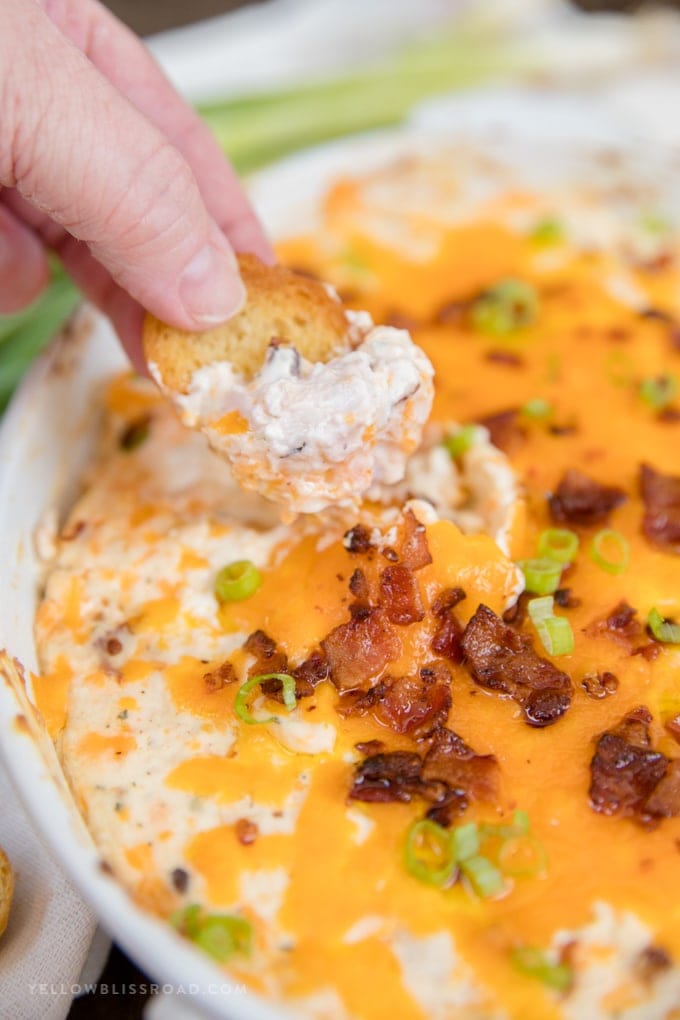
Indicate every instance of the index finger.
{"type": "Point", "coordinates": [122, 58]}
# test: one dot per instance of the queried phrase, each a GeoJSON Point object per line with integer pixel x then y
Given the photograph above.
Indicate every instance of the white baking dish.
{"type": "Point", "coordinates": [46, 438]}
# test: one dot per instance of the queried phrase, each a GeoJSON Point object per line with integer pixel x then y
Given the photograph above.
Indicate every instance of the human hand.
{"type": "Point", "coordinates": [102, 162]}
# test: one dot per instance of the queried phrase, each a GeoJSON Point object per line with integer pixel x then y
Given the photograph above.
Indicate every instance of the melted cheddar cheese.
{"type": "Point", "coordinates": [165, 770]}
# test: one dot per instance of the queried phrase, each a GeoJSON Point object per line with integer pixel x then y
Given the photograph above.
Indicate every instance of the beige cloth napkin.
{"type": "Point", "coordinates": [51, 949]}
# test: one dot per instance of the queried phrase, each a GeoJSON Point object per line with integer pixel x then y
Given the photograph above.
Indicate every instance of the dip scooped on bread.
{"type": "Point", "coordinates": [310, 403]}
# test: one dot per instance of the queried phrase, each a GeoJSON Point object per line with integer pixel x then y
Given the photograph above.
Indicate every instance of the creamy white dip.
{"type": "Point", "coordinates": [317, 434]}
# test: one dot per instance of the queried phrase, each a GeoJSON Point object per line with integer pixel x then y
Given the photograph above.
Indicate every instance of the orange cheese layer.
{"type": "Point", "coordinates": [586, 355]}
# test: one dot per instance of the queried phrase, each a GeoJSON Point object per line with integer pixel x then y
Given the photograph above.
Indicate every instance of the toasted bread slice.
{"type": "Point", "coordinates": [280, 304]}
{"type": "Point", "coordinates": [6, 889]}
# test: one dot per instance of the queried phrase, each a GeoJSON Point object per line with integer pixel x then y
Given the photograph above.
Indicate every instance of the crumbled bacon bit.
{"type": "Point", "coordinates": [620, 624]}
{"type": "Point", "coordinates": [180, 880]}
{"type": "Point", "coordinates": [618, 334]}
{"type": "Point", "coordinates": [416, 704]}
{"type": "Point", "coordinates": [218, 678]}
{"type": "Point", "coordinates": [358, 585]}
{"type": "Point", "coordinates": [359, 610]}
{"type": "Point", "coordinates": [660, 262]}
{"type": "Point", "coordinates": [449, 776]}
{"type": "Point", "coordinates": [565, 600]}
{"type": "Point", "coordinates": [517, 613]}
{"type": "Point", "coordinates": [600, 685]}
{"type": "Point", "coordinates": [447, 599]}
{"type": "Point", "coordinates": [400, 595]}
{"type": "Point", "coordinates": [501, 357]}
{"type": "Point", "coordinates": [566, 429]}
{"type": "Point", "coordinates": [649, 652]}
{"type": "Point", "coordinates": [446, 640]}
{"type": "Point", "coordinates": [358, 651]}
{"type": "Point", "coordinates": [313, 671]}
{"type": "Point", "coordinates": [452, 762]}
{"type": "Point", "coordinates": [661, 495]}
{"type": "Point", "coordinates": [544, 707]}
{"type": "Point", "coordinates": [308, 675]}
{"type": "Point", "coordinates": [356, 702]}
{"type": "Point", "coordinates": [358, 539]}
{"type": "Point", "coordinates": [669, 415]}
{"type": "Point", "coordinates": [390, 554]}
{"type": "Point", "coordinates": [658, 314]}
{"type": "Point", "coordinates": [672, 727]}
{"type": "Point", "coordinates": [394, 775]}
{"type": "Point", "coordinates": [626, 772]}
{"type": "Point", "coordinates": [502, 660]}
{"type": "Point", "coordinates": [268, 658]}
{"type": "Point", "coordinates": [665, 800]}
{"type": "Point", "coordinates": [651, 962]}
{"type": "Point", "coordinates": [451, 313]}
{"type": "Point", "coordinates": [621, 617]}
{"type": "Point", "coordinates": [246, 831]}
{"type": "Point", "coordinates": [452, 804]}
{"type": "Point", "coordinates": [579, 499]}
{"type": "Point", "coordinates": [369, 747]}
{"type": "Point", "coordinates": [505, 430]}
{"type": "Point", "coordinates": [414, 550]}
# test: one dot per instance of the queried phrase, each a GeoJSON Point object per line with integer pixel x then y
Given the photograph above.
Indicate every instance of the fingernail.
{"type": "Point", "coordinates": [210, 288]}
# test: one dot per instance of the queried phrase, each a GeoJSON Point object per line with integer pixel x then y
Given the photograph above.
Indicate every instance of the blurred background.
{"type": "Point", "coordinates": [149, 16]}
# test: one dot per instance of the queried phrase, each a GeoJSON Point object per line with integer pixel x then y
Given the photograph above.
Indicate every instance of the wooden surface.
{"type": "Point", "coordinates": [149, 16]}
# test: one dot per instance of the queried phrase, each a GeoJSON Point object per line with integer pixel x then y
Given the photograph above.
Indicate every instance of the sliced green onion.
{"type": "Point", "coordinates": [241, 699]}
{"type": "Point", "coordinates": [660, 391]}
{"type": "Point", "coordinates": [483, 876]}
{"type": "Point", "coordinates": [237, 581]}
{"type": "Point", "coordinates": [222, 935]}
{"type": "Point", "coordinates": [555, 632]}
{"type": "Point", "coordinates": [621, 549]}
{"type": "Point", "coordinates": [522, 856]}
{"type": "Point", "coordinates": [219, 935]}
{"type": "Point", "coordinates": [187, 920]}
{"type": "Point", "coordinates": [558, 544]}
{"type": "Point", "coordinates": [508, 306]}
{"type": "Point", "coordinates": [535, 963]}
{"type": "Point", "coordinates": [429, 854]}
{"type": "Point", "coordinates": [519, 826]}
{"type": "Point", "coordinates": [458, 443]}
{"type": "Point", "coordinates": [541, 609]}
{"type": "Point", "coordinates": [541, 576]}
{"type": "Point", "coordinates": [537, 409]}
{"type": "Point", "coordinates": [466, 841]}
{"type": "Point", "coordinates": [556, 635]}
{"type": "Point", "coordinates": [547, 231]}
{"type": "Point", "coordinates": [654, 223]}
{"type": "Point", "coordinates": [662, 629]}
{"type": "Point", "coordinates": [520, 822]}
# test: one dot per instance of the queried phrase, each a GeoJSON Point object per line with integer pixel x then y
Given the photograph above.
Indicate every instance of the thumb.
{"type": "Point", "coordinates": [79, 152]}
